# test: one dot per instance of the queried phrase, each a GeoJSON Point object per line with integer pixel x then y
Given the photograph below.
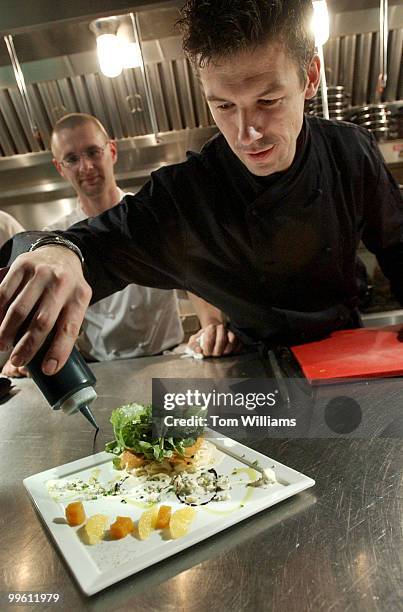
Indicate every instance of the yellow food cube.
{"type": "Point", "coordinates": [94, 528]}
{"type": "Point", "coordinates": [181, 520]}
{"type": "Point", "coordinates": [147, 522]}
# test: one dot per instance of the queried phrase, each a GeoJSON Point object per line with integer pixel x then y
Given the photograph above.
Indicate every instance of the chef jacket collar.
{"type": "Point", "coordinates": [279, 184]}
{"type": "Point", "coordinates": [285, 176]}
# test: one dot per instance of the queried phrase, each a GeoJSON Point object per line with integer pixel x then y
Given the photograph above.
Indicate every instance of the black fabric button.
{"type": "Point", "coordinates": [316, 193]}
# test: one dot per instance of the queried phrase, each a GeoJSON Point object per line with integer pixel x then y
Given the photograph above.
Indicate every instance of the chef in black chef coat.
{"type": "Point", "coordinates": [264, 222]}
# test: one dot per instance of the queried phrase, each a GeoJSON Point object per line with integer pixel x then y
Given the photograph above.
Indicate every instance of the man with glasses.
{"type": "Point", "coordinates": [267, 217]}
{"type": "Point", "coordinates": [136, 321]}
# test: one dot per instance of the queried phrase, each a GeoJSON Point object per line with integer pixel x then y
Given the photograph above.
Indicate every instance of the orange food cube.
{"type": "Point", "coordinates": [163, 518]}
{"type": "Point", "coordinates": [75, 514]}
{"type": "Point", "coordinates": [121, 527]}
{"type": "Point", "coordinates": [130, 461]}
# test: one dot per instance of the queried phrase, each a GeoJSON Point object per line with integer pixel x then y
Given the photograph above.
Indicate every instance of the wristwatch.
{"type": "Point", "coordinates": [57, 241]}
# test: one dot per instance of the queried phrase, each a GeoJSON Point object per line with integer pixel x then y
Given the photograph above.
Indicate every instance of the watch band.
{"type": "Point", "coordinates": [57, 241]}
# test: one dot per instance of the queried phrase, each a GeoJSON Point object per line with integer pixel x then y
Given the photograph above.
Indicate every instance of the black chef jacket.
{"type": "Point", "coordinates": [277, 254]}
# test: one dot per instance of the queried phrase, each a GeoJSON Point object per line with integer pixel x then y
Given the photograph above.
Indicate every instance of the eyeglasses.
{"type": "Point", "coordinates": [93, 154]}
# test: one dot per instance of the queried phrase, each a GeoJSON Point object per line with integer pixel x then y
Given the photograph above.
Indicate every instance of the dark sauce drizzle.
{"type": "Point", "coordinates": [94, 440]}
{"type": "Point", "coordinates": [183, 501]}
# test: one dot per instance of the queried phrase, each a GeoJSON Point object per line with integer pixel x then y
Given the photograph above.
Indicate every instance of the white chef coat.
{"type": "Point", "coordinates": [8, 227]}
{"type": "Point", "coordinates": [134, 322]}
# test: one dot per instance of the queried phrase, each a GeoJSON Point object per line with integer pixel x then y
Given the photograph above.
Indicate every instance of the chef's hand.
{"type": "Point", "coordinates": [48, 282]}
{"type": "Point", "coordinates": [214, 340]}
{"type": "Point", "coordinates": [13, 372]}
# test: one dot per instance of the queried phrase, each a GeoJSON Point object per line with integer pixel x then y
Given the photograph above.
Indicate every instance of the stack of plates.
{"type": "Point", "coordinates": [395, 120]}
{"type": "Point", "coordinates": [338, 102]}
{"type": "Point", "coordinates": [383, 120]}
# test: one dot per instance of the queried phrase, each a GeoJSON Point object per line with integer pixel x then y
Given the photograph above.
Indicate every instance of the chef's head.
{"type": "Point", "coordinates": [257, 64]}
{"type": "Point", "coordinates": [84, 154]}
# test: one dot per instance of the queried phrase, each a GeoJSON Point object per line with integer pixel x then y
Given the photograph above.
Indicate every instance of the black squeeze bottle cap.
{"type": "Point", "coordinates": [71, 389]}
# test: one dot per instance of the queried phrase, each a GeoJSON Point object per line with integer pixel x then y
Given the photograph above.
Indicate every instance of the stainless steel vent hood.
{"type": "Point", "coordinates": [61, 71]}
{"type": "Point", "coordinates": [21, 16]}
{"type": "Point", "coordinates": [62, 75]}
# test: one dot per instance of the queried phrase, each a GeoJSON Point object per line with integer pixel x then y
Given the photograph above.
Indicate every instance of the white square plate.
{"type": "Point", "coordinates": [97, 567]}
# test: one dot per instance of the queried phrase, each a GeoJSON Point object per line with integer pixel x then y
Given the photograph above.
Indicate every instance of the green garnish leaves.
{"type": "Point", "coordinates": [132, 427]}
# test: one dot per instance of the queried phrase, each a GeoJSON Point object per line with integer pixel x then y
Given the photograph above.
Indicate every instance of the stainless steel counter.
{"type": "Point", "coordinates": [335, 547]}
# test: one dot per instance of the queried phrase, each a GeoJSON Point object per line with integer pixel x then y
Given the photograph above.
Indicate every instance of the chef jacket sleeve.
{"type": "Point", "coordinates": [383, 218]}
{"type": "Point", "coordinates": [138, 241]}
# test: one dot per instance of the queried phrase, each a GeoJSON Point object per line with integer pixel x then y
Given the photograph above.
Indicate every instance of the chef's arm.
{"type": "Point", "coordinates": [207, 313]}
{"type": "Point", "coordinates": [47, 289]}
{"type": "Point", "coordinates": [383, 219]}
{"type": "Point", "coordinates": [213, 339]}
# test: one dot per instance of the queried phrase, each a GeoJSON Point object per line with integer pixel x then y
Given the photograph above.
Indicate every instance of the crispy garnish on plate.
{"type": "Point", "coordinates": [131, 461]}
{"type": "Point", "coordinates": [188, 454]}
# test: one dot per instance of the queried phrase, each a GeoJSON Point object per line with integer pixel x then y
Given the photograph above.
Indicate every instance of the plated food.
{"type": "Point", "coordinates": [161, 528]}
{"type": "Point", "coordinates": [150, 470]}
{"type": "Point", "coordinates": [166, 464]}
{"type": "Point", "coordinates": [135, 446]}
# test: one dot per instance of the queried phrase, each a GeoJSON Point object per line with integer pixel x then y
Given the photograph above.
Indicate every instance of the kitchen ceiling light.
{"type": "Point", "coordinates": [320, 22]}
{"type": "Point", "coordinates": [320, 27]}
{"type": "Point", "coordinates": [115, 48]}
{"type": "Point", "coordinates": [109, 46]}
{"type": "Point", "coordinates": [110, 54]}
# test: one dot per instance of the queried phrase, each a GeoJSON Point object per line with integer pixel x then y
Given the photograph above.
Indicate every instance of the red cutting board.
{"type": "Point", "coordinates": [353, 353]}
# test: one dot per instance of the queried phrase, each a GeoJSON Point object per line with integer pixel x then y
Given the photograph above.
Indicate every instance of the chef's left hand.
{"type": "Point", "coordinates": [214, 340]}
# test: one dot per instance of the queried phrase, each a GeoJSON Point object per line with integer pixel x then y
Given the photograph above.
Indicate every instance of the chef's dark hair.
{"type": "Point", "coordinates": [73, 120]}
{"type": "Point", "coordinates": [214, 29]}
